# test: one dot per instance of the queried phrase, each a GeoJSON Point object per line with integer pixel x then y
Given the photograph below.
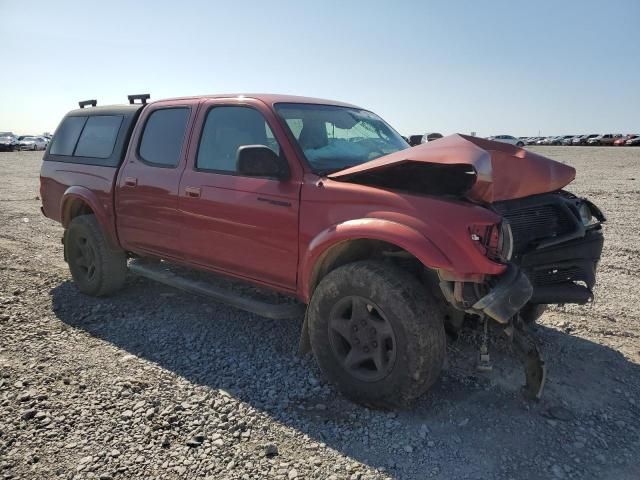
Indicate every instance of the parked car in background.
{"type": "Point", "coordinates": [582, 139]}
{"type": "Point", "coordinates": [8, 142]}
{"type": "Point", "coordinates": [622, 140]}
{"type": "Point", "coordinates": [415, 140]}
{"type": "Point", "coordinates": [568, 139]}
{"type": "Point", "coordinates": [552, 140]}
{"type": "Point", "coordinates": [430, 137]}
{"type": "Point", "coordinates": [28, 142]}
{"type": "Point", "coordinates": [507, 139]}
{"type": "Point", "coordinates": [604, 139]}
{"type": "Point", "coordinates": [632, 141]}
{"type": "Point", "coordinates": [542, 140]}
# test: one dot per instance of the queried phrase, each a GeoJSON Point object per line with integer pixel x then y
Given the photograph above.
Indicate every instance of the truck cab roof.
{"type": "Point", "coordinates": [267, 98]}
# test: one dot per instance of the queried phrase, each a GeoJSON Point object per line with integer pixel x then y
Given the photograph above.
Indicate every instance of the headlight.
{"type": "Point", "coordinates": [586, 215]}
{"type": "Point", "coordinates": [505, 245]}
{"type": "Point", "coordinates": [494, 241]}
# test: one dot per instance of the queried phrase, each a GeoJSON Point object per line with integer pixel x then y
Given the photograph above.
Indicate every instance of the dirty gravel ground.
{"type": "Point", "coordinates": [154, 383]}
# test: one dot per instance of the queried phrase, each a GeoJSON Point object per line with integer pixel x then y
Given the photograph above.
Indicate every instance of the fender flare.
{"type": "Point", "coordinates": [388, 231]}
{"type": "Point", "coordinates": [103, 216]}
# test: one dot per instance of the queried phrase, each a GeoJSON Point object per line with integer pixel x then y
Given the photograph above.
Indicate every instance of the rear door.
{"type": "Point", "coordinates": [147, 192]}
{"type": "Point", "coordinates": [240, 225]}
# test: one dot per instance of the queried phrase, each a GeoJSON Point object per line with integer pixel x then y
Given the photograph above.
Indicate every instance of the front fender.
{"type": "Point", "coordinates": [372, 229]}
{"type": "Point", "coordinates": [102, 212]}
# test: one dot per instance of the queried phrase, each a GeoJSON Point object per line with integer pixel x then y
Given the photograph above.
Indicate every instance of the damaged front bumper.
{"type": "Point", "coordinates": [558, 241]}
{"type": "Point", "coordinates": [557, 274]}
{"type": "Point", "coordinates": [501, 298]}
{"type": "Point", "coordinates": [512, 292]}
{"type": "Point", "coordinates": [564, 273]}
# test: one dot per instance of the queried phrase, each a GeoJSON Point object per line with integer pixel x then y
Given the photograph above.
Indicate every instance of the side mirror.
{"type": "Point", "coordinates": [261, 161]}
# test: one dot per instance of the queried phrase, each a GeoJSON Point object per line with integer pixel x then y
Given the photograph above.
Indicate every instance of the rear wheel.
{"type": "Point", "coordinates": [96, 268]}
{"type": "Point", "coordinates": [376, 334]}
{"type": "Point", "coordinates": [520, 144]}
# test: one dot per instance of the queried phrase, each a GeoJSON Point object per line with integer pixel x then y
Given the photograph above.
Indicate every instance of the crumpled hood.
{"type": "Point", "coordinates": [481, 170]}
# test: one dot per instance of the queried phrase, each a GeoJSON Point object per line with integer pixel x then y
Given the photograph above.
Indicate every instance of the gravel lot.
{"type": "Point", "coordinates": [154, 383]}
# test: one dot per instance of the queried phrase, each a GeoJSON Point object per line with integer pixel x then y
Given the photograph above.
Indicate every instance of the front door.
{"type": "Point", "coordinates": [240, 225]}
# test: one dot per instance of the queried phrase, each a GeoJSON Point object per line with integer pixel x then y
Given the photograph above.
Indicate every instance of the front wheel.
{"type": "Point", "coordinates": [520, 144]}
{"type": "Point", "coordinates": [376, 333]}
{"type": "Point", "coordinates": [96, 268]}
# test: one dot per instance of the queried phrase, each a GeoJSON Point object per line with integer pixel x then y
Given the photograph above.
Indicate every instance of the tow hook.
{"type": "Point", "coordinates": [534, 367]}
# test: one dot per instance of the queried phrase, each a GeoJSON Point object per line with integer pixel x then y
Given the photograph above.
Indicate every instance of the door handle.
{"type": "Point", "coordinates": [193, 192]}
{"type": "Point", "coordinates": [130, 181]}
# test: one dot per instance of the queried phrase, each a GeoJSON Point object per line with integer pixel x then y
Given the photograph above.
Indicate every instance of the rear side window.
{"type": "Point", "coordinates": [99, 136]}
{"type": "Point", "coordinates": [66, 137]}
{"type": "Point", "coordinates": [163, 136]}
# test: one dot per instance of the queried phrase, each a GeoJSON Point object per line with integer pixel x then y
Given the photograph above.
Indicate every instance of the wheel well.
{"type": "Point", "coordinates": [74, 208]}
{"type": "Point", "coordinates": [362, 249]}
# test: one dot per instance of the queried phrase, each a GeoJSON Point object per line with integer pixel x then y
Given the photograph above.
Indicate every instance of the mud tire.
{"type": "Point", "coordinates": [108, 267]}
{"type": "Point", "coordinates": [416, 321]}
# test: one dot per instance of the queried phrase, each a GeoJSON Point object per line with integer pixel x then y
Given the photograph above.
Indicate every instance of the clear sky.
{"type": "Point", "coordinates": [515, 67]}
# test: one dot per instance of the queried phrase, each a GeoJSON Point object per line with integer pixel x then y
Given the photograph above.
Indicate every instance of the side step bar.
{"type": "Point", "coordinates": [159, 273]}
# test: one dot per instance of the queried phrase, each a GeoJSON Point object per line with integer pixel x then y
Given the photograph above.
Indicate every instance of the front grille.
{"type": "Point", "coordinates": [533, 224]}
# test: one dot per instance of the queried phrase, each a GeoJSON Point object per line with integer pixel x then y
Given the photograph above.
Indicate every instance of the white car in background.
{"type": "Point", "coordinates": [507, 139]}
{"type": "Point", "coordinates": [31, 143]}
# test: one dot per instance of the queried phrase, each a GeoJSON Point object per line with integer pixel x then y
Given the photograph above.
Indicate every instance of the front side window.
{"type": "Point", "coordinates": [333, 138]}
{"type": "Point", "coordinates": [163, 136]}
{"type": "Point", "coordinates": [66, 137]}
{"type": "Point", "coordinates": [99, 136]}
{"type": "Point", "coordinates": [225, 130]}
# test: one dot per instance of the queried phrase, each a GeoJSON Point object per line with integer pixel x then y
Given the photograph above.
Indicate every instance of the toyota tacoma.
{"type": "Point", "coordinates": [379, 248]}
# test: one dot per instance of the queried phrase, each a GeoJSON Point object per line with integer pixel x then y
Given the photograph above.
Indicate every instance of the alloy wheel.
{"type": "Point", "coordinates": [362, 339]}
{"type": "Point", "coordinates": [84, 257]}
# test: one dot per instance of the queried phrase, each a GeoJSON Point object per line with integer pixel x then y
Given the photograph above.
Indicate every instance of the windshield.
{"type": "Point", "coordinates": [333, 138]}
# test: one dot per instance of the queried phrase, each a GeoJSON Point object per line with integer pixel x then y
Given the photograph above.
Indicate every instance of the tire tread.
{"type": "Point", "coordinates": [112, 266]}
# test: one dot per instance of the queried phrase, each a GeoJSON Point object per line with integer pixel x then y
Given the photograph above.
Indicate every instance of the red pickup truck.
{"type": "Point", "coordinates": [387, 246]}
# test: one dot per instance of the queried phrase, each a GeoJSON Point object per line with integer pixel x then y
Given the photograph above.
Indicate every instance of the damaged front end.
{"type": "Point", "coordinates": [549, 240]}
{"type": "Point", "coordinates": [557, 242]}
{"type": "Point", "coordinates": [554, 242]}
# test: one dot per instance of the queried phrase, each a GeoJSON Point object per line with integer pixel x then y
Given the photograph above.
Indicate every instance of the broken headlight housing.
{"type": "Point", "coordinates": [494, 241]}
{"type": "Point", "coordinates": [586, 215]}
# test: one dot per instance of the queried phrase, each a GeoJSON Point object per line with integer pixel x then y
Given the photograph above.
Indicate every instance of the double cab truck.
{"type": "Point", "coordinates": [380, 249]}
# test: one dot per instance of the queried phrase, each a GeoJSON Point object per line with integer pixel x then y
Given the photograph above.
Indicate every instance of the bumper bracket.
{"type": "Point", "coordinates": [505, 300]}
